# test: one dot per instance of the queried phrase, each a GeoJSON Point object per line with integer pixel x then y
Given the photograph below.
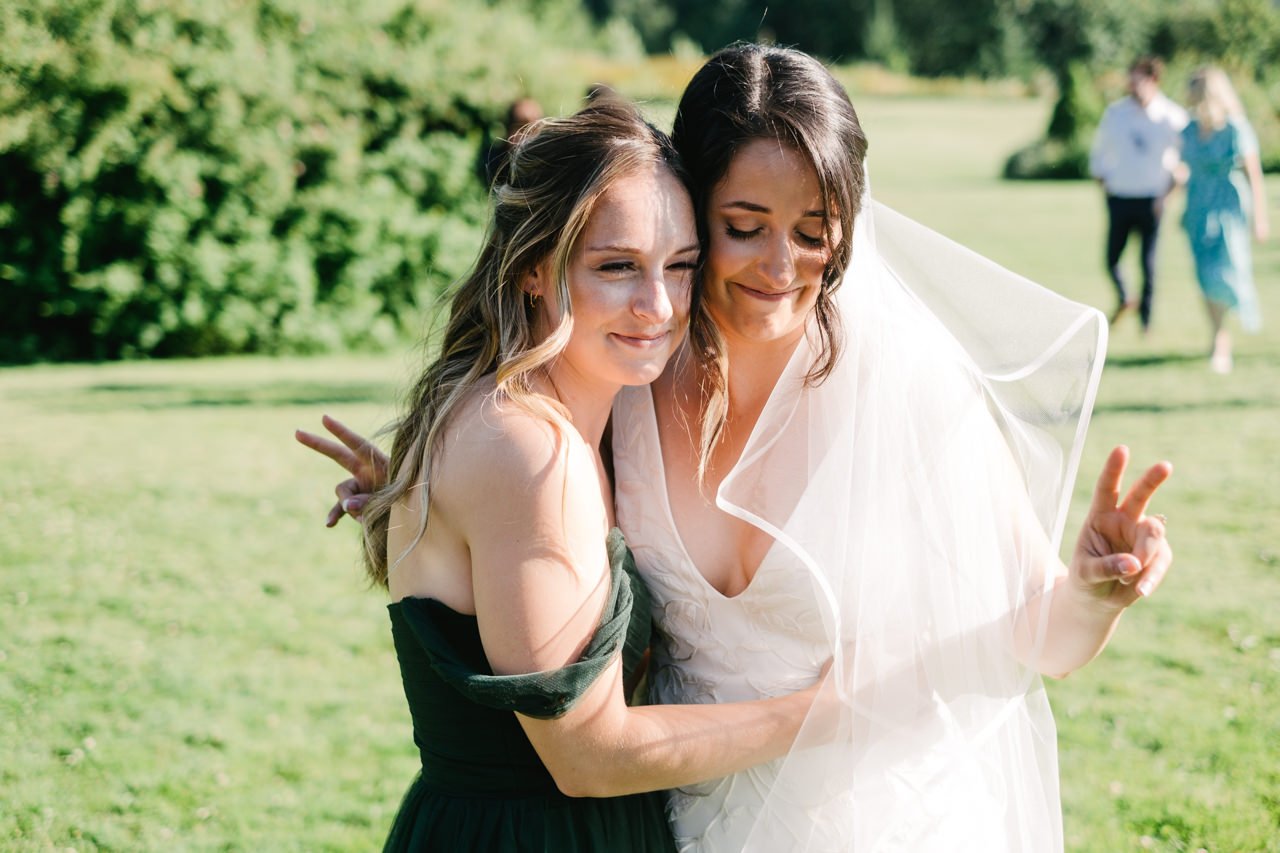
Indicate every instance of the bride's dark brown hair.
{"type": "Point", "coordinates": [747, 92]}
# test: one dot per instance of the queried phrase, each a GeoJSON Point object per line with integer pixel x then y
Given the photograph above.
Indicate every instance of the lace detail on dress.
{"type": "Point", "coordinates": [767, 641]}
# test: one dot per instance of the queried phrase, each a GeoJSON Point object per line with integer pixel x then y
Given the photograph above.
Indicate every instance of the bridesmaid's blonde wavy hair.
{"type": "Point", "coordinates": [542, 198]}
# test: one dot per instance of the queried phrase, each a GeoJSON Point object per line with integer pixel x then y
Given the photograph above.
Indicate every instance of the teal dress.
{"type": "Point", "coordinates": [1217, 216]}
{"type": "Point", "coordinates": [482, 786]}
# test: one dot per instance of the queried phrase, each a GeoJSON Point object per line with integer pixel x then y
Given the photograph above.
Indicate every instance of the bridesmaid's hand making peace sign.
{"type": "Point", "coordinates": [362, 459]}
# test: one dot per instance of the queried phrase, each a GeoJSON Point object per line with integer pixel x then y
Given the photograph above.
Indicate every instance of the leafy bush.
{"type": "Point", "coordinates": [953, 38]}
{"type": "Point", "coordinates": [933, 37]}
{"type": "Point", "coordinates": [1049, 159]}
{"type": "Point", "coordinates": [187, 178]}
{"type": "Point", "coordinates": [1244, 33]}
{"type": "Point", "coordinates": [1063, 153]}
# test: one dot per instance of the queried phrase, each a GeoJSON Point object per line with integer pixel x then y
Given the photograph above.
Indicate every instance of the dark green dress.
{"type": "Point", "coordinates": [482, 786]}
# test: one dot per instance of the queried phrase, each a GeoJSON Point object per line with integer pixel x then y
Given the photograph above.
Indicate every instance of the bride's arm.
{"type": "Point", "coordinates": [1120, 556]}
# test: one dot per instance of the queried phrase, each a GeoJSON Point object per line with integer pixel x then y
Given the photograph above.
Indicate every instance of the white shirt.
{"type": "Point", "coordinates": [1135, 150]}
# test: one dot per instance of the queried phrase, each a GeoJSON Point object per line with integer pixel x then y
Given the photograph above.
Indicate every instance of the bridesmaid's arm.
{"type": "Point", "coordinates": [531, 511]}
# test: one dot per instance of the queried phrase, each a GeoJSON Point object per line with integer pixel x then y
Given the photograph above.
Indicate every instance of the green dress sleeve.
{"type": "Point", "coordinates": [625, 626]}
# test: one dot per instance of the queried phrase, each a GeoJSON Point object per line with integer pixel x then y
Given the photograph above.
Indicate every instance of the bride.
{"type": "Point", "coordinates": [866, 450]}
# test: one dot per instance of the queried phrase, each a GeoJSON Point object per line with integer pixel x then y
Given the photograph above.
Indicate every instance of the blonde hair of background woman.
{"type": "Point", "coordinates": [1212, 100]}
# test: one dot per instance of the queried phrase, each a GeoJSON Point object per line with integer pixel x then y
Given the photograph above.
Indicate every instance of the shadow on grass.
{"type": "Point", "coordinates": [1155, 359]}
{"type": "Point", "coordinates": [1185, 406]}
{"type": "Point", "coordinates": [1165, 359]}
{"type": "Point", "coordinates": [151, 397]}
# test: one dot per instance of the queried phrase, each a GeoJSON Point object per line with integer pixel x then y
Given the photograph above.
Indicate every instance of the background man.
{"type": "Point", "coordinates": [1135, 158]}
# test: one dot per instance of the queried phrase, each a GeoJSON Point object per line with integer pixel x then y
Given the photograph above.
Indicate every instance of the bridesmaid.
{"type": "Point", "coordinates": [1224, 190]}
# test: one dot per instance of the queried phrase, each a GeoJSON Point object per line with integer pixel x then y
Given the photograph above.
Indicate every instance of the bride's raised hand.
{"type": "Point", "coordinates": [360, 457]}
{"type": "Point", "coordinates": [1122, 553]}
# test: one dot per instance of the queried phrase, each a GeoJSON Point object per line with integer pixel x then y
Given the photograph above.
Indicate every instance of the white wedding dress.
{"type": "Point", "coordinates": [916, 499]}
{"type": "Point", "coordinates": [768, 640]}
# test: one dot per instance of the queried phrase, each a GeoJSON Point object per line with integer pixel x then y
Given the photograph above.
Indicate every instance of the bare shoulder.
{"type": "Point", "coordinates": [503, 462]}
{"type": "Point", "coordinates": [491, 438]}
{"type": "Point", "coordinates": [523, 492]}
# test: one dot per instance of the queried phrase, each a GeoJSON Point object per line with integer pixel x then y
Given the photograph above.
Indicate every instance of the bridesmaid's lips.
{"type": "Point", "coordinates": [763, 295]}
{"type": "Point", "coordinates": [642, 341]}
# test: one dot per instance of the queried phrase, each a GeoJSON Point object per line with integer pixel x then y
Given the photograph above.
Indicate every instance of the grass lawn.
{"type": "Point", "coordinates": [188, 660]}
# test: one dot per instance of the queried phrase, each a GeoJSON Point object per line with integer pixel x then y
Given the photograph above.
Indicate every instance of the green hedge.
{"type": "Point", "coordinates": [186, 178]}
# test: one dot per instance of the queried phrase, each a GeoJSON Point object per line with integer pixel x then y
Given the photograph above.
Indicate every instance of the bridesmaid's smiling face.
{"type": "Point", "coordinates": [768, 250]}
{"type": "Point", "coordinates": [629, 281]}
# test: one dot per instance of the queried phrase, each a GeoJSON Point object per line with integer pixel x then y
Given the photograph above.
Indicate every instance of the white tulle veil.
{"type": "Point", "coordinates": [924, 484]}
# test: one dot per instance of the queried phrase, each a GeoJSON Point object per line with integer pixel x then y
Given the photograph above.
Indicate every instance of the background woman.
{"type": "Point", "coordinates": [836, 470]}
{"type": "Point", "coordinates": [519, 599]}
{"type": "Point", "coordinates": [1224, 189]}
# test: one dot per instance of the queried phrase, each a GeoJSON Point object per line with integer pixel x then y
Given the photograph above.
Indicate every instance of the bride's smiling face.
{"type": "Point", "coordinates": [767, 251]}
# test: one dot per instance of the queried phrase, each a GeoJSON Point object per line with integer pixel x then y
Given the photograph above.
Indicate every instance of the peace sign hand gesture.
{"type": "Point", "coordinates": [1122, 553]}
{"type": "Point", "coordinates": [366, 463]}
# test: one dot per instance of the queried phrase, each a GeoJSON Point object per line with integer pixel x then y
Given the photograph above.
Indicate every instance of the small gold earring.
{"type": "Point", "coordinates": [533, 299]}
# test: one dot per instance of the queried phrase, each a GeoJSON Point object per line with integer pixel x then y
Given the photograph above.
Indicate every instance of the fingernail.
{"type": "Point", "coordinates": [347, 504]}
{"type": "Point", "coordinates": [1145, 588]}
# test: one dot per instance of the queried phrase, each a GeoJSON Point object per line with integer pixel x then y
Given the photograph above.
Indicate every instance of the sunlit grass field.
{"type": "Point", "coordinates": [189, 660]}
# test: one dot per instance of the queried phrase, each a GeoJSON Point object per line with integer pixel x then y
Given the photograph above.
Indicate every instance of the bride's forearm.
{"type": "Point", "coordinates": [658, 747]}
{"type": "Point", "coordinates": [1077, 630]}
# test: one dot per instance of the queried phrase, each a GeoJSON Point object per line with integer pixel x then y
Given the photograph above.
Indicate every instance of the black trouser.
{"type": "Point", "coordinates": [1128, 215]}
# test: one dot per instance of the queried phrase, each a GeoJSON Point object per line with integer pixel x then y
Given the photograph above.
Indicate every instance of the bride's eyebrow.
{"type": "Point", "coordinates": [752, 207]}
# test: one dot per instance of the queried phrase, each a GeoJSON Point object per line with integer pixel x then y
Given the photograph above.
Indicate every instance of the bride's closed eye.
{"type": "Point", "coordinates": [807, 239]}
